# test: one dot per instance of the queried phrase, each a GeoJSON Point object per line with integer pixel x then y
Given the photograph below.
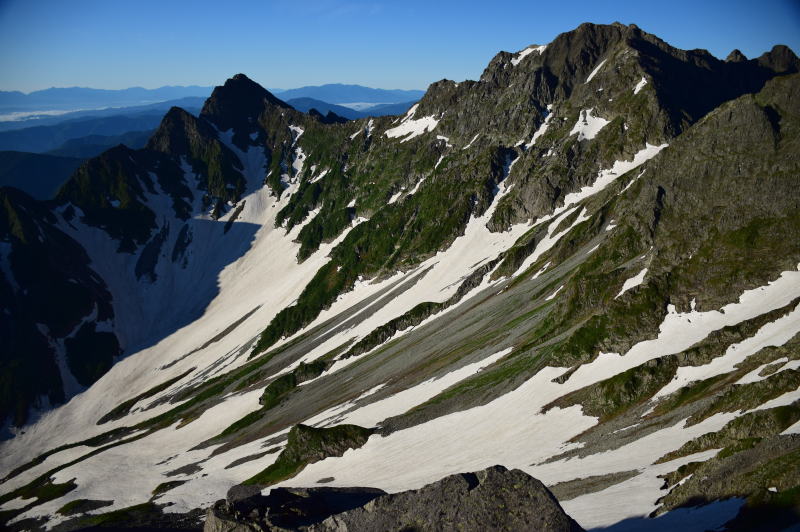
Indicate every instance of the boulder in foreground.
{"type": "Point", "coordinates": [492, 499]}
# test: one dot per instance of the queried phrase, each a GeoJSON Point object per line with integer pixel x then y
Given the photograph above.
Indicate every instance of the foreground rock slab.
{"type": "Point", "coordinates": [492, 499]}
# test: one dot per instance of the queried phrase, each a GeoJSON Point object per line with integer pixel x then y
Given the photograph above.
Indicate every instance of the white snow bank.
{"type": "Point", "coordinates": [554, 294]}
{"type": "Point", "coordinates": [595, 71]}
{"type": "Point", "coordinates": [633, 282]}
{"type": "Point", "coordinates": [396, 195]}
{"type": "Point", "coordinates": [588, 126]}
{"type": "Point", "coordinates": [472, 141]}
{"type": "Point", "coordinates": [408, 129]}
{"type": "Point", "coordinates": [320, 176]}
{"type": "Point", "coordinates": [527, 51]}
{"type": "Point", "coordinates": [416, 187]}
{"type": "Point", "coordinates": [551, 238]}
{"type": "Point", "coordinates": [775, 333]}
{"type": "Point", "coordinates": [297, 131]}
{"type": "Point", "coordinates": [366, 129]}
{"type": "Point", "coordinates": [542, 128]}
{"type": "Point", "coordinates": [606, 177]}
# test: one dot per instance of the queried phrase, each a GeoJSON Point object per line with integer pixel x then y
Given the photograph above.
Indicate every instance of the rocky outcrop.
{"type": "Point", "coordinates": [492, 499]}
{"type": "Point", "coordinates": [307, 445]}
{"type": "Point", "coordinates": [245, 509]}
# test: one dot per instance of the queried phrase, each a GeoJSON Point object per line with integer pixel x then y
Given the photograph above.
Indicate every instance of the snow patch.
{"type": "Point", "coordinates": [411, 127]}
{"type": "Point", "coordinates": [542, 128]}
{"type": "Point", "coordinates": [320, 176]}
{"type": "Point", "coordinates": [405, 400]}
{"type": "Point", "coordinates": [416, 187]}
{"type": "Point", "coordinates": [551, 238]}
{"type": "Point", "coordinates": [639, 86]}
{"type": "Point", "coordinates": [595, 71]}
{"type": "Point", "coordinates": [396, 195]}
{"type": "Point", "coordinates": [297, 132]}
{"type": "Point", "coordinates": [606, 177]}
{"type": "Point", "coordinates": [554, 294]}
{"type": "Point", "coordinates": [588, 126]}
{"type": "Point", "coordinates": [527, 51]}
{"type": "Point", "coordinates": [540, 272]}
{"type": "Point", "coordinates": [633, 282]}
{"type": "Point", "coordinates": [472, 141]}
{"type": "Point", "coordinates": [775, 333]}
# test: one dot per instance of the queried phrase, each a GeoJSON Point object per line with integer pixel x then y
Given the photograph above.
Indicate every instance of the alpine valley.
{"type": "Point", "coordinates": [583, 267]}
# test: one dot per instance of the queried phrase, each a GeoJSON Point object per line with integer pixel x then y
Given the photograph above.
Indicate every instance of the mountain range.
{"type": "Point", "coordinates": [78, 97]}
{"type": "Point", "coordinates": [385, 109]}
{"type": "Point", "coordinates": [339, 93]}
{"type": "Point", "coordinates": [583, 266]}
{"type": "Point", "coordinates": [32, 158]}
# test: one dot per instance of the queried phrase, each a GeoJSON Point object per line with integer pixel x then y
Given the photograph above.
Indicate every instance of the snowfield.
{"type": "Point", "coordinates": [411, 127]}
{"type": "Point", "coordinates": [527, 51]}
{"type": "Point", "coordinates": [588, 126]}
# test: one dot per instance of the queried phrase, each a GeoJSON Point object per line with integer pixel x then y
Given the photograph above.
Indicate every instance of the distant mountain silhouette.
{"type": "Point", "coordinates": [38, 174]}
{"type": "Point", "coordinates": [76, 97]}
{"type": "Point", "coordinates": [338, 93]}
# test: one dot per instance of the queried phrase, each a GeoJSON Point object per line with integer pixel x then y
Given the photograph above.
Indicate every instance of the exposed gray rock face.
{"type": "Point", "coordinates": [492, 499]}
{"type": "Point", "coordinates": [246, 509]}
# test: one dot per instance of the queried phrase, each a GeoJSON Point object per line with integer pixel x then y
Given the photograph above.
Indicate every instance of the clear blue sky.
{"type": "Point", "coordinates": [289, 43]}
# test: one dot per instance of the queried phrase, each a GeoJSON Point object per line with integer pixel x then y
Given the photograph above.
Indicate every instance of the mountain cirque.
{"type": "Point", "coordinates": [583, 266]}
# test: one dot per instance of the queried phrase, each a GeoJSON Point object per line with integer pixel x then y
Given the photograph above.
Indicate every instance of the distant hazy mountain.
{"type": "Point", "coordinates": [388, 109]}
{"type": "Point", "coordinates": [93, 145]}
{"type": "Point", "coordinates": [338, 93]}
{"type": "Point", "coordinates": [42, 139]}
{"type": "Point", "coordinates": [38, 174]}
{"type": "Point", "coordinates": [77, 97]}
{"type": "Point", "coordinates": [45, 135]}
{"type": "Point", "coordinates": [306, 104]}
{"type": "Point", "coordinates": [192, 104]}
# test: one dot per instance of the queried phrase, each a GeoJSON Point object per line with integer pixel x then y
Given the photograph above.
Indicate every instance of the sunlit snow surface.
{"type": "Point", "coordinates": [633, 282]}
{"type": "Point", "coordinates": [410, 127]}
{"type": "Point", "coordinates": [595, 71]}
{"type": "Point", "coordinates": [469, 144]}
{"type": "Point", "coordinates": [588, 126]}
{"type": "Point", "coordinates": [639, 86]}
{"type": "Point", "coordinates": [527, 51]}
{"type": "Point", "coordinates": [412, 457]}
{"type": "Point", "coordinates": [542, 128]}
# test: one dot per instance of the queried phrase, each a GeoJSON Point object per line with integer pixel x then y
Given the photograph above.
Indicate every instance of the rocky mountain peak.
{"type": "Point", "coordinates": [238, 104]}
{"type": "Point", "coordinates": [176, 130]}
{"type": "Point", "coordinates": [736, 56]}
{"type": "Point", "coordinates": [781, 59]}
